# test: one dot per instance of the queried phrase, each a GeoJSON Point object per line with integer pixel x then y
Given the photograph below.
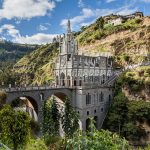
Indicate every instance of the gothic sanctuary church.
{"type": "Point", "coordinates": [87, 77]}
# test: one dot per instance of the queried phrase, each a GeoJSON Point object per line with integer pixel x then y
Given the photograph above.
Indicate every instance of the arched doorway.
{"type": "Point", "coordinates": [27, 104]}
{"type": "Point", "coordinates": [62, 79]}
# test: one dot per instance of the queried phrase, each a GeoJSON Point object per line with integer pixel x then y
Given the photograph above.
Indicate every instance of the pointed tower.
{"type": "Point", "coordinates": [68, 45]}
{"type": "Point", "coordinates": [68, 27]}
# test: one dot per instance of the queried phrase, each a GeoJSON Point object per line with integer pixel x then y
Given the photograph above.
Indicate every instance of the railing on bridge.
{"type": "Point", "coordinates": [31, 88]}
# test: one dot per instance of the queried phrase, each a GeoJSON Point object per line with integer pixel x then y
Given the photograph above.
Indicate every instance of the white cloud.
{"type": "Point", "coordinates": [80, 3]}
{"type": "Point", "coordinates": [146, 1]}
{"type": "Point", "coordinates": [14, 34]}
{"type": "Point", "coordinates": [109, 1]}
{"type": "Point", "coordinates": [9, 29]}
{"type": "Point", "coordinates": [85, 14]}
{"type": "Point", "coordinates": [92, 14]}
{"type": "Point", "coordinates": [39, 38]}
{"type": "Point", "coordinates": [43, 27]}
{"type": "Point", "coordinates": [25, 9]}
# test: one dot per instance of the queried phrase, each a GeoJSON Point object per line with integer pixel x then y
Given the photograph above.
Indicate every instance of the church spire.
{"type": "Point", "coordinates": [68, 27]}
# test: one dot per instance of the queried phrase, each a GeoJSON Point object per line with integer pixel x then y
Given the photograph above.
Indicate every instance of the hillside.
{"type": "Point", "coordinates": [11, 52]}
{"type": "Point", "coordinates": [37, 67]}
{"type": "Point", "coordinates": [128, 43]}
{"type": "Point", "coordinates": [132, 100]}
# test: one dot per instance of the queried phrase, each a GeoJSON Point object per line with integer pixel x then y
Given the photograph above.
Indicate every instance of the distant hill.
{"type": "Point", "coordinates": [37, 67]}
{"type": "Point", "coordinates": [12, 51]}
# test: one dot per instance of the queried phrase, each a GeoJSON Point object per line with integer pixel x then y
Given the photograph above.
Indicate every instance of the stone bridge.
{"type": "Point", "coordinates": [37, 95]}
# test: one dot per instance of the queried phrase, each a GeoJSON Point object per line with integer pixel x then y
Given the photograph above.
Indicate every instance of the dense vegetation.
{"type": "Point", "coordinates": [37, 67]}
{"type": "Point", "coordinates": [15, 131]}
{"type": "Point", "coordinates": [11, 52]}
{"type": "Point", "coordinates": [133, 114]}
{"type": "Point", "coordinates": [137, 82]}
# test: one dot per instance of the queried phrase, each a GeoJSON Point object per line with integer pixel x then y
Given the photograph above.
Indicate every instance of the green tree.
{"type": "Point", "coordinates": [55, 117]}
{"type": "Point", "coordinates": [51, 118]}
{"type": "Point", "coordinates": [15, 127]}
{"type": "Point", "coordinates": [2, 98]}
{"type": "Point", "coordinates": [100, 23]}
{"type": "Point", "coordinates": [96, 140]}
{"type": "Point", "coordinates": [70, 121]}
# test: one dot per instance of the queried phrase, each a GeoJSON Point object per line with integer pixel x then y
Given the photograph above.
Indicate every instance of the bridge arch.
{"type": "Point", "coordinates": [62, 95]}
{"type": "Point", "coordinates": [27, 104]}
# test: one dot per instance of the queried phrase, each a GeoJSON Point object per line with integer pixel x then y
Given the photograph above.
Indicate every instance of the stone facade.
{"type": "Point", "coordinates": [86, 76]}
{"type": "Point", "coordinates": [116, 21]}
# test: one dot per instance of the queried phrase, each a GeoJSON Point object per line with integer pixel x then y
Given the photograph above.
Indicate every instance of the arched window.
{"type": "Point", "coordinates": [109, 98]}
{"type": "Point", "coordinates": [68, 81]}
{"type": "Point", "coordinates": [75, 81]}
{"type": "Point", "coordinates": [80, 82]}
{"type": "Point", "coordinates": [62, 79]}
{"type": "Point", "coordinates": [103, 79]}
{"type": "Point", "coordinates": [57, 80]}
{"type": "Point", "coordinates": [41, 96]}
{"type": "Point", "coordinates": [88, 99]}
{"type": "Point", "coordinates": [101, 97]}
{"type": "Point", "coordinates": [88, 124]}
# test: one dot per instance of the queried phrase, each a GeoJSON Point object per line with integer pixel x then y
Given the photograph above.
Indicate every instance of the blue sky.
{"type": "Point", "coordinates": [38, 21]}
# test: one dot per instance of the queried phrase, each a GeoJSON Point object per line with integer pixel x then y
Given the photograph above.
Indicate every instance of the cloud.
{"type": "Point", "coordinates": [39, 38]}
{"type": "Point", "coordinates": [25, 9]}
{"type": "Point", "coordinates": [43, 27]}
{"type": "Point", "coordinates": [109, 1]}
{"type": "Point", "coordinates": [80, 3]}
{"type": "Point", "coordinates": [90, 15]}
{"type": "Point", "coordinates": [9, 29]}
{"type": "Point", "coordinates": [85, 14]}
{"type": "Point", "coordinates": [146, 1]}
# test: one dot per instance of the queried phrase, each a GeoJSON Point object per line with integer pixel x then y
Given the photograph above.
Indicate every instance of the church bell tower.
{"type": "Point", "coordinates": [68, 44]}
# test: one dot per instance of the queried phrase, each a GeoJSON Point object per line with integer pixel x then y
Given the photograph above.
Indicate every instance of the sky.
{"type": "Point", "coordinates": [39, 21]}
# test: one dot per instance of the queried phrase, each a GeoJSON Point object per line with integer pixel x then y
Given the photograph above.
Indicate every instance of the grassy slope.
{"type": "Point", "coordinates": [136, 83]}
{"type": "Point", "coordinates": [38, 65]}
{"type": "Point", "coordinates": [128, 39]}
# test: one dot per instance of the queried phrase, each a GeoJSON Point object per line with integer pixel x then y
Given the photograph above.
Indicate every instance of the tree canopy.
{"type": "Point", "coordinates": [14, 127]}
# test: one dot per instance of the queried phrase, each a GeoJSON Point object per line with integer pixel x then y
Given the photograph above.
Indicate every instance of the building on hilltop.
{"type": "Point", "coordinates": [119, 19]}
{"type": "Point", "coordinates": [86, 76]}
